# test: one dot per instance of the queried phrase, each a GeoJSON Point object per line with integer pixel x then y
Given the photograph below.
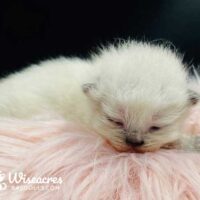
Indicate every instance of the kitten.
{"type": "Point", "coordinates": [134, 94]}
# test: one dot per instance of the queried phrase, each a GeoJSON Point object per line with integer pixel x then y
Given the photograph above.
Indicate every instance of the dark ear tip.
{"type": "Point", "coordinates": [194, 100]}
{"type": "Point", "coordinates": [193, 97]}
{"type": "Point", "coordinates": [87, 87]}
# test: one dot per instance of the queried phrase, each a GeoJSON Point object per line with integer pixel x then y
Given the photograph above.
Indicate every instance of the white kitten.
{"type": "Point", "coordinates": [135, 95]}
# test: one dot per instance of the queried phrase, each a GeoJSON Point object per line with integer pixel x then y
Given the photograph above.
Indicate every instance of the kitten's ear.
{"type": "Point", "coordinates": [194, 97]}
{"type": "Point", "coordinates": [90, 89]}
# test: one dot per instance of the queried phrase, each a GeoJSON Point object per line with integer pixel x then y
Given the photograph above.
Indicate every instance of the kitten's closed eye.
{"type": "Point", "coordinates": [116, 122]}
{"type": "Point", "coordinates": [154, 129]}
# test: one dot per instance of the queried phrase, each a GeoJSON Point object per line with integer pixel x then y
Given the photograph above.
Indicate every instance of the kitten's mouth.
{"type": "Point", "coordinates": [140, 146]}
{"type": "Point", "coordinates": [143, 148]}
{"type": "Point", "coordinates": [137, 149]}
{"type": "Point", "coordinates": [133, 149]}
{"type": "Point", "coordinates": [146, 149]}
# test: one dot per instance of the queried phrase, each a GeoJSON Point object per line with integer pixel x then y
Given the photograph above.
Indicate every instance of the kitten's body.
{"type": "Point", "coordinates": [137, 85]}
{"type": "Point", "coordinates": [51, 86]}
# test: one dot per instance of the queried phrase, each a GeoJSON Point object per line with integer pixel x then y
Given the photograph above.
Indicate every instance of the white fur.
{"type": "Point", "coordinates": [139, 84]}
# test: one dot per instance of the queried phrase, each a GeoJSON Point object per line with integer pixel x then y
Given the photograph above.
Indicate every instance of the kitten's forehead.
{"type": "Point", "coordinates": [137, 66]}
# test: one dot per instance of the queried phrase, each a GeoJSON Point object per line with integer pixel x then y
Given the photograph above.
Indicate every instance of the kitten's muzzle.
{"type": "Point", "coordinates": [134, 142]}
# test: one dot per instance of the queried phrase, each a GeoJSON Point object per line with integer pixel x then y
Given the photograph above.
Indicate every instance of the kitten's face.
{"type": "Point", "coordinates": [140, 91]}
{"type": "Point", "coordinates": [139, 124]}
{"type": "Point", "coordinates": [142, 125]}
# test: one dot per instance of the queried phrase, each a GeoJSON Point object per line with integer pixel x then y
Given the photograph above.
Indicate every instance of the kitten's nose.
{"type": "Point", "coordinates": [134, 142]}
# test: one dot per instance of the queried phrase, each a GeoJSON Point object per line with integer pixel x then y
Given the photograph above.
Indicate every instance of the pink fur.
{"type": "Point", "coordinates": [90, 168]}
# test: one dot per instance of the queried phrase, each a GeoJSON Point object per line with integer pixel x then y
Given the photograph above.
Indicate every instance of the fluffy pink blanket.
{"type": "Point", "coordinates": [56, 160]}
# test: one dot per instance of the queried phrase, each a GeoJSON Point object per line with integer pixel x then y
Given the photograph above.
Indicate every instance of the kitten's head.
{"type": "Point", "coordinates": [140, 96]}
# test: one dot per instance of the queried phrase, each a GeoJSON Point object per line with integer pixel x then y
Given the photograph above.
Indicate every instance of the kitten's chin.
{"type": "Point", "coordinates": [123, 147]}
{"type": "Point", "coordinates": [136, 149]}
{"type": "Point", "coordinates": [172, 145]}
{"type": "Point", "coordinates": [145, 149]}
